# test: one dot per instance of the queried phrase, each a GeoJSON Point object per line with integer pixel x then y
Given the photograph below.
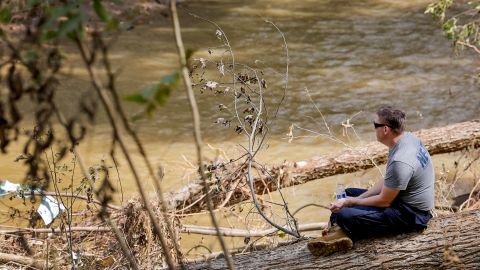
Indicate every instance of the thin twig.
{"type": "Point", "coordinates": [475, 48]}
{"type": "Point", "coordinates": [232, 55]}
{"type": "Point", "coordinates": [287, 65]}
{"type": "Point", "coordinates": [196, 123]}
{"type": "Point", "coordinates": [250, 176]}
{"type": "Point", "coordinates": [310, 204]}
{"type": "Point", "coordinates": [318, 110]}
{"type": "Point", "coordinates": [47, 193]}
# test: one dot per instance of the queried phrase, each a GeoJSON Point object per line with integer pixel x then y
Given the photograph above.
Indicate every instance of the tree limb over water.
{"type": "Point", "coordinates": [223, 177]}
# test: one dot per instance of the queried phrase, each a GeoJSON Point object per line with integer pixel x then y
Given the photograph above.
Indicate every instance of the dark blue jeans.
{"type": "Point", "coordinates": [367, 221]}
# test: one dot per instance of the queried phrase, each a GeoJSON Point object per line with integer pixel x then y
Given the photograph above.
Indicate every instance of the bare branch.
{"type": "Point", "coordinates": [475, 48]}
{"type": "Point", "coordinates": [287, 65]}
{"type": "Point", "coordinates": [186, 228]}
{"type": "Point", "coordinates": [196, 123]}
{"type": "Point", "coordinates": [250, 176]}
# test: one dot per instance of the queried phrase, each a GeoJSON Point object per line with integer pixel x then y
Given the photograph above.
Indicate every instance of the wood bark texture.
{"type": "Point", "coordinates": [27, 261]}
{"type": "Point", "coordinates": [450, 242]}
{"type": "Point", "coordinates": [228, 187]}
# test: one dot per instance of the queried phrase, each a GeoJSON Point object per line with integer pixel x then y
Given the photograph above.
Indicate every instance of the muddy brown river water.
{"type": "Point", "coordinates": [352, 56]}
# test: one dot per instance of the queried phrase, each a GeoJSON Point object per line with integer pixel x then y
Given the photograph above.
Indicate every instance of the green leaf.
{"type": "Point", "coordinates": [450, 36]}
{"type": "Point", "coordinates": [162, 93]}
{"type": "Point", "coordinates": [149, 91]}
{"type": "Point", "coordinates": [54, 14]}
{"type": "Point", "coordinates": [32, 3]}
{"type": "Point", "coordinates": [5, 15]}
{"type": "Point", "coordinates": [71, 25]}
{"type": "Point", "coordinates": [151, 109]}
{"type": "Point", "coordinates": [49, 35]}
{"type": "Point", "coordinates": [448, 25]}
{"type": "Point", "coordinates": [281, 234]}
{"type": "Point", "coordinates": [188, 53]}
{"type": "Point", "coordinates": [112, 25]}
{"type": "Point", "coordinates": [101, 11]}
{"type": "Point", "coordinates": [170, 79]}
{"type": "Point", "coordinates": [155, 94]}
{"type": "Point", "coordinates": [136, 98]}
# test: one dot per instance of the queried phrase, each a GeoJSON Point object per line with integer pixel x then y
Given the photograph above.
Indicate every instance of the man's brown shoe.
{"type": "Point", "coordinates": [333, 242]}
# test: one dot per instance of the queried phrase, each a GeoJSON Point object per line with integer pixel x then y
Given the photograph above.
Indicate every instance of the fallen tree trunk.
{"type": "Point", "coordinates": [26, 261]}
{"type": "Point", "coordinates": [227, 187]}
{"type": "Point", "coordinates": [450, 242]}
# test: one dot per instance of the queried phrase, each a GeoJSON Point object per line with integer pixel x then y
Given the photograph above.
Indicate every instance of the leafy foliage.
{"type": "Point", "coordinates": [5, 15]}
{"type": "Point", "coordinates": [462, 27]}
{"type": "Point", "coordinates": [156, 94]}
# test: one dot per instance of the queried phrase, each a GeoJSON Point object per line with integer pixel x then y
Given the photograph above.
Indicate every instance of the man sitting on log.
{"type": "Point", "coordinates": [399, 203]}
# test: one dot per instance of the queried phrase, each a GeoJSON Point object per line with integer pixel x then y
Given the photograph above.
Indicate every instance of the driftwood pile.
{"type": "Point", "coordinates": [94, 245]}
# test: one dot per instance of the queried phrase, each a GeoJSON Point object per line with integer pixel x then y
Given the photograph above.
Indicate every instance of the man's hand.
{"type": "Point", "coordinates": [384, 199]}
{"type": "Point", "coordinates": [339, 204]}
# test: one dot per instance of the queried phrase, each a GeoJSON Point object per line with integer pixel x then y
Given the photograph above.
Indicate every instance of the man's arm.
{"type": "Point", "coordinates": [397, 179]}
{"type": "Point", "coordinates": [374, 190]}
{"type": "Point", "coordinates": [383, 199]}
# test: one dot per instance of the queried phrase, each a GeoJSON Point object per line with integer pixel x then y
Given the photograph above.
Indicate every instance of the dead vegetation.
{"type": "Point", "coordinates": [95, 247]}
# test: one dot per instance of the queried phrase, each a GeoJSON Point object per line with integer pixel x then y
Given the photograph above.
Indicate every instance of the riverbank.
{"type": "Point", "coordinates": [129, 13]}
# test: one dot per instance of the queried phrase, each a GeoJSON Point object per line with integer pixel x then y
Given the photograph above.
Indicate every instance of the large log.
{"type": "Point", "coordinates": [450, 242]}
{"type": "Point", "coordinates": [226, 190]}
{"type": "Point", "coordinates": [22, 260]}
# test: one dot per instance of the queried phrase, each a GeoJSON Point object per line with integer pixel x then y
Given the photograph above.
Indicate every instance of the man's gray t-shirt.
{"type": "Point", "coordinates": [410, 169]}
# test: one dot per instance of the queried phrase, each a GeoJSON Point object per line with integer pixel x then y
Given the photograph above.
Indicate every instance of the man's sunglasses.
{"type": "Point", "coordinates": [377, 125]}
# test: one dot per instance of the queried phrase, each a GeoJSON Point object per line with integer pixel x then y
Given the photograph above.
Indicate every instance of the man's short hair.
{"type": "Point", "coordinates": [393, 118]}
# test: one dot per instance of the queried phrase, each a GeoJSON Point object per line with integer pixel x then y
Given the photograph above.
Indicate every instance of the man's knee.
{"type": "Point", "coordinates": [354, 192]}
{"type": "Point", "coordinates": [345, 215]}
{"type": "Point", "coordinates": [350, 191]}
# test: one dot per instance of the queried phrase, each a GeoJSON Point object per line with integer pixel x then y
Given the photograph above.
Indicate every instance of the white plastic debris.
{"type": "Point", "coordinates": [6, 187]}
{"type": "Point", "coordinates": [49, 207]}
{"type": "Point", "coordinates": [74, 255]}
